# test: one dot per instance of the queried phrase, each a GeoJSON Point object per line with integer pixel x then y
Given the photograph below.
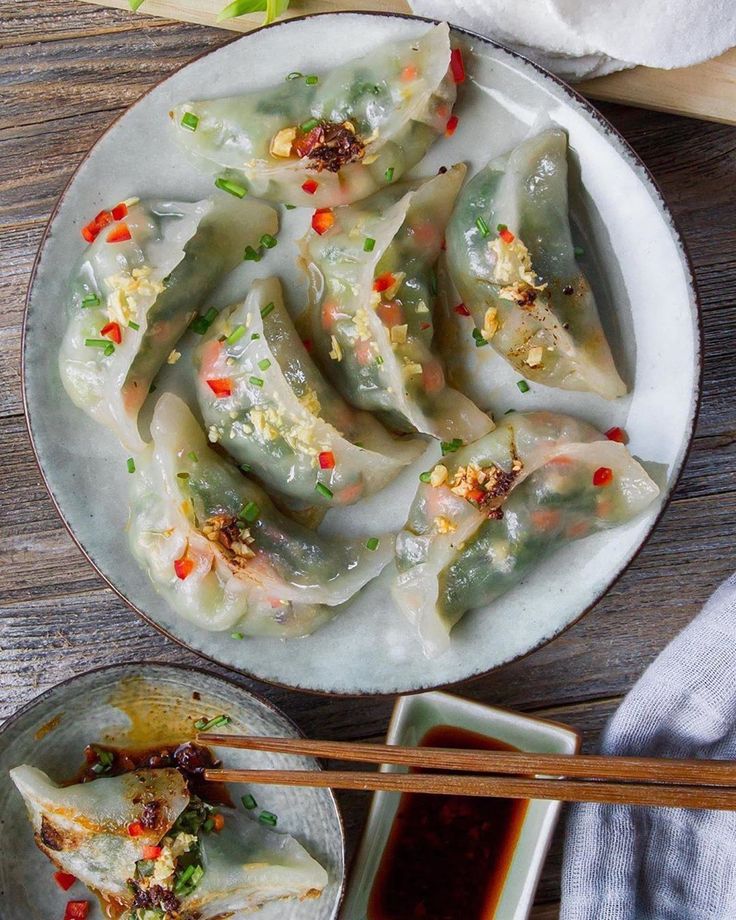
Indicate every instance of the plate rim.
{"type": "Point", "coordinates": [696, 397]}
{"type": "Point", "coordinates": [15, 717]}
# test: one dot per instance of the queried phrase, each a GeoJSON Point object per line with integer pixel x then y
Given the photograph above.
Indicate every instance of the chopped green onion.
{"type": "Point", "coordinates": [199, 325]}
{"type": "Point", "coordinates": [256, 381]}
{"type": "Point", "coordinates": [202, 725]}
{"type": "Point", "coordinates": [311, 80]}
{"type": "Point", "coordinates": [97, 343]}
{"type": "Point", "coordinates": [131, 465]}
{"type": "Point", "coordinates": [389, 174]}
{"type": "Point", "coordinates": [185, 876]}
{"type": "Point", "coordinates": [134, 4]}
{"type": "Point", "coordinates": [237, 635]}
{"type": "Point", "coordinates": [249, 802]}
{"type": "Point", "coordinates": [190, 121]}
{"type": "Point", "coordinates": [109, 349]}
{"type": "Point", "coordinates": [372, 543]}
{"type": "Point", "coordinates": [208, 825]}
{"type": "Point", "coordinates": [368, 244]}
{"type": "Point", "coordinates": [509, 411]}
{"type": "Point", "coordinates": [482, 226]}
{"type": "Point", "coordinates": [90, 300]}
{"type": "Point", "coordinates": [132, 325]}
{"type": "Point", "coordinates": [251, 255]}
{"type": "Point", "coordinates": [211, 315]}
{"type": "Point", "coordinates": [523, 386]}
{"type": "Point", "coordinates": [236, 335]}
{"type": "Point", "coordinates": [479, 340]}
{"type": "Point", "coordinates": [579, 251]}
{"type": "Point", "coordinates": [267, 309]}
{"type": "Point", "coordinates": [322, 489]}
{"type": "Point", "coordinates": [250, 512]}
{"type": "Point", "coordinates": [254, 336]}
{"type": "Point", "coordinates": [264, 364]}
{"type": "Point", "coordinates": [268, 241]}
{"type": "Point", "coordinates": [425, 477]}
{"type": "Point", "coordinates": [183, 475]}
{"type": "Point", "coordinates": [379, 359]}
{"type": "Point", "coordinates": [449, 447]}
{"type": "Point", "coordinates": [245, 467]}
{"type": "Point", "coordinates": [267, 817]}
{"type": "Point", "coordinates": [192, 456]}
{"type": "Point", "coordinates": [306, 126]}
{"type": "Point", "coordinates": [290, 207]}
{"type": "Point", "coordinates": [232, 188]}
{"type": "Point", "coordinates": [294, 75]}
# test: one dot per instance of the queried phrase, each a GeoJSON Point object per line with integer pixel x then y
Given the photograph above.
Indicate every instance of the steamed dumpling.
{"type": "Point", "coordinates": [270, 408]}
{"type": "Point", "coordinates": [372, 292]}
{"type": "Point", "coordinates": [494, 509]}
{"type": "Point", "coordinates": [135, 291]}
{"type": "Point", "coordinates": [333, 139]}
{"type": "Point", "coordinates": [512, 259]}
{"type": "Point", "coordinates": [219, 551]}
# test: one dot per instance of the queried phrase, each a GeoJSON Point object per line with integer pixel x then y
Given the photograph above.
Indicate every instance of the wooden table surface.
{"type": "Point", "coordinates": [66, 71]}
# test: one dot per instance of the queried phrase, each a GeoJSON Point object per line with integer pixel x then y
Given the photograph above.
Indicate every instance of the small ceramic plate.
{"type": "Point", "coordinates": [413, 717]}
{"type": "Point", "coordinates": [634, 259]}
{"type": "Point", "coordinates": [142, 705]}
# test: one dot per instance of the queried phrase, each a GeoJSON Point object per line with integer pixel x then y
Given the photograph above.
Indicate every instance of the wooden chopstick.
{"type": "Point", "coordinates": [496, 786]}
{"type": "Point", "coordinates": [519, 763]}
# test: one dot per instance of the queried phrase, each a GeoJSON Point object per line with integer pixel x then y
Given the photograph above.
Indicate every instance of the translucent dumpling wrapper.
{"type": "Point", "coordinates": [197, 873]}
{"type": "Point", "coordinates": [494, 509]}
{"type": "Point", "coordinates": [271, 408]}
{"type": "Point", "coordinates": [220, 552]}
{"type": "Point", "coordinates": [135, 291]}
{"type": "Point", "coordinates": [511, 256]}
{"type": "Point", "coordinates": [372, 291]}
{"type": "Point", "coordinates": [329, 139]}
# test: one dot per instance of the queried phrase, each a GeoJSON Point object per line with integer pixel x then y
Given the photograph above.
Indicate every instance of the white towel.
{"type": "Point", "coordinates": [665, 863]}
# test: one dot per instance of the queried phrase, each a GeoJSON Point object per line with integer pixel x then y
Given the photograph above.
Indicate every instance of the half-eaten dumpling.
{"type": "Point", "coordinates": [512, 259]}
{"type": "Point", "coordinates": [143, 842]}
{"type": "Point", "coordinates": [372, 290]}
{"type": "Point", "coordinates": [319, 141]}
{"type": "Point", "coordinates": [148, 267]}
{"type": "Point", "coordinates": [262, 396]}
{"type": "Point", "coordinates": [217, 549]}
{"type": "Point", "coordinates": [489, 512]}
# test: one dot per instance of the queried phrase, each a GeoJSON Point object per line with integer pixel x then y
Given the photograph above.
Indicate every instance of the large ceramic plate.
{"type": "Point", "coordinates": [633, 256]}
{"type": "Point", "coordinates": [141, 706]}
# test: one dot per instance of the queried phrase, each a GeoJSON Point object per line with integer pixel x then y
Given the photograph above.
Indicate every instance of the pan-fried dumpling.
{"type": "Point", "coordinates": [217, 549]}
{"type": "Point", "coordinates": [489, 512]}
{"type": "Point", "coordinates": [148, 267]}
{"type": "Point", "coordinates": [372, 290]}
{"type": "Point", "coordinates": [333, 139]}
{"type": "Point", "coordinates": [270, 408]}
{"type": "Point", "coordinates": [512, 259]}
{"type": "Point", "coordinates": [194, 871]}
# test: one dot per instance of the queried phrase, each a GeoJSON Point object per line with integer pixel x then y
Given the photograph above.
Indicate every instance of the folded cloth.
{"type": "Point", "coordinates": [626, 863]}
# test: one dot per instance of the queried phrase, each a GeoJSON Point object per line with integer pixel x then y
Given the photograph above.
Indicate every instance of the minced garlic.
{"type": "Point", "coordinates": [534, 358]}
{"type": "Point", "coordinates": [399, 334]}
{"type": "Point", "coordinates": [282, 141]}
{"type": "Point", "coordinates": [490, 324]}
{"type": "Point", "coordinates": [213, 435]}
{"type": "Point", "coordinates": [174, 356]}
{"type": "Point", "coordinates": [127, 290]}
{"type": "Point", "coordinates": [335, 351]}
{"type": "Point", "coordinates": [438, 476]}
{"type": "Point", "coordinates": [443, 524]}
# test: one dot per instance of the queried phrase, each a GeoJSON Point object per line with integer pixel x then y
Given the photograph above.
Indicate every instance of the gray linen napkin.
{"type": "Point", "coordinates": [664, 863]}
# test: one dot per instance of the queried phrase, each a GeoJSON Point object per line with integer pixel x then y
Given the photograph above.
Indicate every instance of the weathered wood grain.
{"type": "Point", "coordinates": [67, 70]}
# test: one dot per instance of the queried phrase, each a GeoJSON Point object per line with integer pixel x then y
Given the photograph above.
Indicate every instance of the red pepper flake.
{"type": "Point", "coordinates": [384, 282]}
{"type": "Point", "coordinates": [326, 460]}
{"type": "Point", "coordinates": [135, 829]}
{"type": "Point", "coordinates": [603, 476]}
{"type": "Point", "coordinates": [151, 852]}
{"type": "Point", "coordinates": [64, 880]}
{"type": "Point", "coordinates": [462, 310]}
{"type": "Point", "coordinates": [119, 234]}
{"type": "Point", "coordinates": [221, 387]}
{"type": "Point", "coordinates": [76, 910]}
{"type": "Point", "coordinates": [310, 186]}
{"type": "Point", "coordinates": [218, 822]}
{"type": "Point", "coordinates": [456, 65]}
{"type": "Point", "coordinates": [120, 211]}
{"type": "Point", "coordinates": [409, 73]}
{"type": "Point", "coordinates": [618, 435]}
{"type": "Point", "coordinates": [506, 235]}
{"type": "Point", "coordinates": [112, 331]}
{"type": "Point", "coordinates": [322, 220]}
{"type": "Point", "coordinates": [183, 568]}
{"type": "Point", "coordinates": [451, 125]}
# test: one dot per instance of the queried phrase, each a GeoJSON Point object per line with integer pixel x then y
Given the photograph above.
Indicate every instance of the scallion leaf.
{"type": "Point", "coordinates": [268, 241]}
{"type": "Point", "coordinates": [202, 725]}
{"type": "Point", "coordinates": [250, 512]}
{"type": "Point", "coordinates": [264, 364]}
{"type": "Point", "coordinates": [132, 325]}
{"type": "Point", "coordinates": [294, 75]}
{"type": "Point", "coordinates": [425, 477]}
{"type": "Point", "coordinates": [254, 336]}
{"type": "Point", "coordinates": [251, 255]}
{"type": "Point", "coordinates": [183, 475]}
{"type": "Point", "coordinates": [372, 543]}
{"type": "Point", "coordinates": [579, 251]}
{"type": "Point", "coordinates": [245, 467]}
{"type": "Point", "coordinates": [523, 386]}
{"type": "Point", "coordinates": [90, 300]}
{"type": "Point", "coordinates": [268, 818]}
{"type": "Point", "coordinates": [189, 121]}
{"type": "Point", "coordinates": [237, 635]}
{"type": "Point", "coordinates": [306, 126]}
{"type": "Point", "coordinates": [232, 188]}
{"type": "Point", "coordinates": [97, 343]}
{"type": "Point", "coordinates": [131, 465]}
{"type": "Point", "coordinates": [368, 244]}
{"type": "Point", "coordinates": [192, 456]}
{"type": "Point", "coordinates": [134, 4]}
{"type": "Point", "coordinates": [389, 174]}
{"type": "Point", "coordinates": [256, 381]}
{"type": "Point", "coordinates": [311, 80]}
{"type": "Point", "coordinates": [479, 340]}
{"type": "Point", "coordinates": [290, 207]}
{"type": "Point", "coordinates": [236, 335]}
{"type": "Point", "coordinates": [482, 226]}
{"type": "Point", "coordinates": [449, 447]}
{"type": "Point", "coordinates": [109, 349]}
{"type": "Point", "coordinates": [322, 489]}
{"type": "Point", "coordinates": [267, 309]}
{"type": "Point", "coordinates": [248, 802]}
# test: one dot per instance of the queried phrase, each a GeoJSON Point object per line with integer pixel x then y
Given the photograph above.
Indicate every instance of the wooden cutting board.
{"type": "Point", "coordinates": [705, 91]}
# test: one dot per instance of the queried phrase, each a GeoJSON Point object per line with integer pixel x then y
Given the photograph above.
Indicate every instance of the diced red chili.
{"type": "Point", "coordinates": [617, 434]}
{"type": "Point", "coordinates": [119, 234]}
{"type": "Point", "coordinates": [151, 852]}
{"type": "Point", "coordinates": [76, 910]}
{"type": "Point", "coordinates": [112, 331]}
{"type": "Point", "coordinates": [326, 460]}
{"type": "Point", "coordinates": [64, 880]}
{"type": "Point", "coordinates": [310, 186]}
{"type": "Point", "coordinates": [457, 66]}
{"type": "Point", "coordinates": [383, 282]}
{"type": "Point", "coordinates": [424, 326]}
{"type": "Point", "coordinates": [135, 829]}
{"type": "Point", "coordinates": [221, 387]}
{"type": "Point", "coordinates": [409, 73]}
{"type": "Point", "coordinates": [506, 235]}
{"type": "Point", "coordinates": [476, 495]}
{"type": "Point", "coordinates": [462, 310]}
{"type": "Point", "coordinates": [98, 223]}
{"type": "Point", "coordinates": [451, 125]}
{"type": "Point", "coordinates": [183, 568]}
{"type": "Point", "coordinates": [120, 211]}
{"type": "Point", "coordinates": [322, 220]}
{"type": "Point", "coordinates": [88, 234]}
{"type": "Point", "coordinates": [602, 476]}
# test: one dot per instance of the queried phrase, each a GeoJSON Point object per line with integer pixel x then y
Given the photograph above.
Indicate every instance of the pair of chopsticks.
{"type": "Point", "coordinates": [613, 780]}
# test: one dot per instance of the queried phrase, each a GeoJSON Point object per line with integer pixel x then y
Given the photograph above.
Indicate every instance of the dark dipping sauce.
{"type": "Point", "coordinates": [447, 856]}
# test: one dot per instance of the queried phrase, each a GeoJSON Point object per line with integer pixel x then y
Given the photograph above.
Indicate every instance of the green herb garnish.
{"type": "Point", "coordinates": [256, 381]}
{"type": "Point", "coordinates": [425, 477]}
{"type": "Point", "coordinates": [232, 188]}
{"type": "Point", "coordinates": [91, 300]}
{"type": "Point", "coordinates": [389, 174]}
{"type": "Point", "coordinates": [268, 241]}
{"type": "Point", "coordinates": [189, 121]}
{"type": "Point", "coordinates": [523, 386]}
{"type": "Point", "coordinates": [202, 725]}
{"type": "Point", "coordinates": [251, 255]}
{"type": "Point", "coordinates": [250, 512]}
{"type": "Point", "coordinates": [479, 340]}
{"type": "Point", "coordinates": [268, 818]}
{"type": "Point", "coordinates": [322, 489]}
{"type": "Point", "coordinates": [131, 465]}
{"type": "Point", "coordinates": [236, 335]}
{"type": "Point", "coordinates": [372, 543]}
{"type": "Point", "coordinates": [264, 364]}
{"type": "Point", "coordinates": [482, 226]}
{"type": "Point", "coordinates": [132, 325]}
{"type": "Point", "coordinates": [449, 447]}
{"type": "Point", "coordinates": [368, 244]}
{"type": "Point", "coordinates": [249, 802]}
{"type": "Point", "coordinates": [267, 309]}
{"type": "Point", "coordinates": [306, 126]}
